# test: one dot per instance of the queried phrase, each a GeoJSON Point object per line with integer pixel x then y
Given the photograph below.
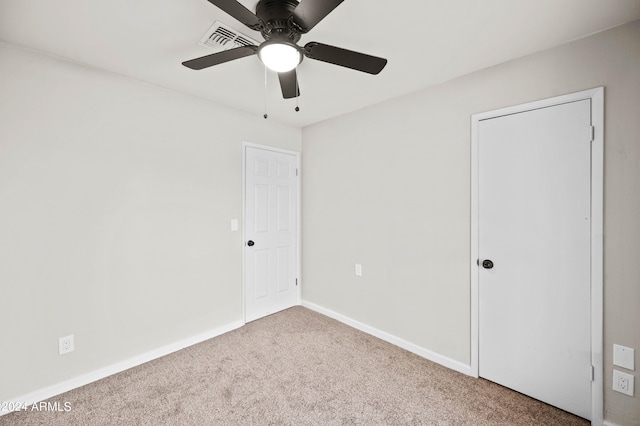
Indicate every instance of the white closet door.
{"type": "Point", "coordinates": [534, 249]}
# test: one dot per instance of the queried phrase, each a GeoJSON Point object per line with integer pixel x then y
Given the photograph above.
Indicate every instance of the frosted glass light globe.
{"type": "Point", "coordinates": [280, 57]}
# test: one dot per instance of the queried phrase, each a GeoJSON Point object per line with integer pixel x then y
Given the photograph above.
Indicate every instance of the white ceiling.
{"type": "Point", "coordinates": [426, 42]}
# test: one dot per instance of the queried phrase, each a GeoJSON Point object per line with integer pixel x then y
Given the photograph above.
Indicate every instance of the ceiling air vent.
{"type": "Point", "coordinates": [223, 37]}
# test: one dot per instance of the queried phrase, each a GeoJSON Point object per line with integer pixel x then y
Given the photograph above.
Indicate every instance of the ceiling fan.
{"type": "Point", "coordinates": [282, 22]}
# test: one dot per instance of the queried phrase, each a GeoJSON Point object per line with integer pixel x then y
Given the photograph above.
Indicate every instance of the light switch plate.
{"type": "Point", "coordinates": [358, 270]}
{"type": "Point", "coordinates": [234, 224]}
{"type": "Point", "coordinates": [623, 357]}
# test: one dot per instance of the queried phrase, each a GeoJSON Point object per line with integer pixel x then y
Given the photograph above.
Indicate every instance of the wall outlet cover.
{"type": "Point", "coordinates": [623, 382]}
{"type": "Point", "coordinates": [65, 344]}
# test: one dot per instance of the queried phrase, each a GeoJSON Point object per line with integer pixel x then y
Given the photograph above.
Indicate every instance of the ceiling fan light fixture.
{"type": "Point", "coordinates": [280, 56]}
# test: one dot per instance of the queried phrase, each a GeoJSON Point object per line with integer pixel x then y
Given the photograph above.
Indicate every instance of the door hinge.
{"type": "Point", "coordinates": [296, 282]}
{"type": "Point", "coordinates": [593, 134]}
{"type": "Point", "coordinates": [296, 172]}
{"type": "Point", "coordinates": [593, 373]}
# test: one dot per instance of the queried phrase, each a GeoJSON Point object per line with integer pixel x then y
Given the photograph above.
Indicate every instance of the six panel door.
{"type": "Point", "coordinates": [271, 191]}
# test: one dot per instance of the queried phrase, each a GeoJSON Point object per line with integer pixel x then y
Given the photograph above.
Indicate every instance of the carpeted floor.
{"type": "Point", "coordinates": [296, 367]}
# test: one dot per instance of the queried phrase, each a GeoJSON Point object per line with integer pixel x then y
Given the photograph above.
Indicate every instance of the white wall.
{"type": "Point", "coordinates": [389, 187]}
{"type": "Point", "coordinates": [115, 205]}
{"type": "Point", "coordinates": [116, 197]}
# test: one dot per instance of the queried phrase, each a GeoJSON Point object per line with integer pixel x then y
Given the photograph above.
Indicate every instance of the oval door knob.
{"type": "Point", "coordinates": [250, 243]}
{"type": "Point", "coordinates": [487, 264]}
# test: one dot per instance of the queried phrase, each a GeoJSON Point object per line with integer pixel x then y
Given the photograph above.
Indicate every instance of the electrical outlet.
{"type": "Point", "coordinates": [623, 382]}
{"type": "Point", "coordinates": [65, 344]}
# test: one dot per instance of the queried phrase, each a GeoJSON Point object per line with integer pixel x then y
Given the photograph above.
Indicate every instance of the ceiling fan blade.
{"type": "Point", "coordinates": [289, 84]}
{"type": "Point", "coordinates": [344, 58]}
{"type": "Point", "coordinates": [309, 12]}
{"type": "Point", "coordinates": [220, 57]}
{"type": "Point", "coordinates": [239, 12]}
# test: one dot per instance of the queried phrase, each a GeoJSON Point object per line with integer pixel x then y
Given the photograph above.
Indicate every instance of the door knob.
{"type": "Point", "coordinates": [487, 264]}
{"type": "Point", "coordinates": [250, 243]}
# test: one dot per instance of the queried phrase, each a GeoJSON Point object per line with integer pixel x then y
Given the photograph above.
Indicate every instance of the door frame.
{"type": "Point", "coordinates": [296, 154]}
{"type": "Point", "coordinates": [596, 96]}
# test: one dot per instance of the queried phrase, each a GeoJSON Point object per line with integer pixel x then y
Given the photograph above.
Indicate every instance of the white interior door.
{"type": "Point", "coordinates": [270, 231]}
{"type": "Point", "coordinates": [534, 227]}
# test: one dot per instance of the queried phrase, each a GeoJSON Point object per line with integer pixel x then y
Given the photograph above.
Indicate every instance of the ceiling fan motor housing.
{"type": "Point", "coordinates": [277, 18]}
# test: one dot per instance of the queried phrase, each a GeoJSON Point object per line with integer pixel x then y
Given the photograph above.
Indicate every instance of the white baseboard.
{"type": "Point", "coordinates": [62, 387]}
{"type": "Point", "coordinates": [411, 347]}
{"type": "Point", "coordinates": [608, 423]}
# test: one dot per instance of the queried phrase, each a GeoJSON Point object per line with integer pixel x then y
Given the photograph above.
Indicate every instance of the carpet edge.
{"type": "Point", "coordinates": [109, 370]}
{"type": "Point", "coordinates": [394, 340]}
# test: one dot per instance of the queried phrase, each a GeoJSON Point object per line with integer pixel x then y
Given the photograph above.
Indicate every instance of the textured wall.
{"type": "Point", "coordinates": [389, 187]}
{"type": "Point", "coordinates": [115, 205]}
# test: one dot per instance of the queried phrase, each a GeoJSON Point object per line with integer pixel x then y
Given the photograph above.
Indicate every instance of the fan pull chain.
{"type": "Point", "coordinates": [297, 95]}
{"type": "Point", "coordinates": [265, 93]}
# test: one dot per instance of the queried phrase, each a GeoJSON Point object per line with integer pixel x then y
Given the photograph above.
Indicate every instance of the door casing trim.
{"type": "Point", "coordinates": [296, 154]}
{"type": "Point", "coordinates": [596, 95]}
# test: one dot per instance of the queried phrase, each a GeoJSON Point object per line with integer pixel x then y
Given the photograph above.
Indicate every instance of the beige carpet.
{"type": "Point", "coordinates": [296, 367]}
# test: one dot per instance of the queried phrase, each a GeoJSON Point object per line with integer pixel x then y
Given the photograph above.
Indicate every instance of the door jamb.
{"type": "Point", "coordinates": [296, 154]}
{"type": "Point", "coordinates": [596, 96]}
